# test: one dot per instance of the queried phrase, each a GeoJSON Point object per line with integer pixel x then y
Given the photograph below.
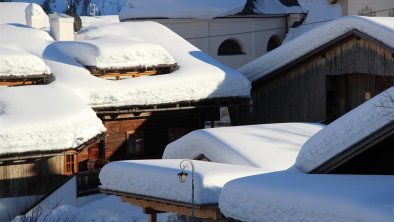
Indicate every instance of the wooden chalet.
{"type": "Point", "coordinates": [39, 172]}
{"type": "Point", "coordinates": [325, 83]}
{"type": "Point", "coordinates": [143, 132]}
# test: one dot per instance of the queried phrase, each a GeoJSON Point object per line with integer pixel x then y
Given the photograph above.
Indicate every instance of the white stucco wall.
{"type": "Point", "coordinates": [353, 7]}
{"type": "Point", "coordinates": [252, 33]}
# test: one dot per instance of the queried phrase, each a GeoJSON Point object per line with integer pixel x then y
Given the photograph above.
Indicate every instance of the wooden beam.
{"type": "Point", "coordinates": [205, 212]}
{"type": "Point", "coordinates": [152, 218]}
{"type": "Point", "coordinates": [157, 205]}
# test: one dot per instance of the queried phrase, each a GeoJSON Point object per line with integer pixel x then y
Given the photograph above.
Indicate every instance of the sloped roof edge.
{"type": "Point", "coordinates": [338, 40]}
{"type": "Point", "coordinates": [381, 29]}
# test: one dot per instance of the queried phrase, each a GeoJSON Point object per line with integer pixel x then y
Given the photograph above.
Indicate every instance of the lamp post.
{"type": "Point", "coordinates": [183, 177]}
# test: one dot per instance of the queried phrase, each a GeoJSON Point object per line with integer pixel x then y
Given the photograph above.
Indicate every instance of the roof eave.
{"type": "Point", "coordinates": [354, 150]}
{"type": "Point", "coordinates": [353, 32]}
{"type": "Point", "coordinates": [23, 156]}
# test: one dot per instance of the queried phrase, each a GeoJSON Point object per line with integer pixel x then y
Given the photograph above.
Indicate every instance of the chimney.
{"type": "Point", "coordinates": [62, 27]}
{"type": "Point", "coordinates": [35, 16]}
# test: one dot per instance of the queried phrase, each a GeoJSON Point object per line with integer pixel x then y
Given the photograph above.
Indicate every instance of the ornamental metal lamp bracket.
{"type": "Point", "coordinates": [183, 177]}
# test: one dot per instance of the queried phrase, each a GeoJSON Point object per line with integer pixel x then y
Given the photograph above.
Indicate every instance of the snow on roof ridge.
{"type": "Point", "coordinates": [21, 63]}
{"type": "Point", "coordinates": [269, 146]}
{"type": "Point", "coordinates": [380, 28]}
{"type": "Point", "coordinates": [115, 53]}
{"type": "Point", "coordinates": [201, 9]}
{"type": "Point", "coordinates": [346, 131]}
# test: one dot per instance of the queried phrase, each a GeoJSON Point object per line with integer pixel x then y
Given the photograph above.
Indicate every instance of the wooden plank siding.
{"type": "Point", "coordinates": [33, 177]}
{"type": "Point", "coordinates": [155, 129]}
{"type": "Point", "coordinates": [299, 92]}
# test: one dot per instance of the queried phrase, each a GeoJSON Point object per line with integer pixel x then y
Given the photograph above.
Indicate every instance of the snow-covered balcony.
{"type": "Point", "coordinates": [154, 185]}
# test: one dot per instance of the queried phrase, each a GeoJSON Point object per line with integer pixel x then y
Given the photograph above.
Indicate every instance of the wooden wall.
{"type": "Point", "coordinates": [34, 177]}
{"type": "Point", "coordinates": [299, 93]}
{"type": "Point", "coordinates": [155, 131]}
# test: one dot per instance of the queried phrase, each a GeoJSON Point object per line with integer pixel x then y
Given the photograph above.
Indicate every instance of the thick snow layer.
{"type": "Point", "coordinates": [347, 131]}
{"type": "Point", "coordinates": [202, 9]}
{"type": "Point", "coordinates": [197, 77]}
{"type": "Point", "coordinates": [159, 179]}
{"type": "Point", "coordinates": [319, 12]}
{"type": "Point", "coordinates": [296, 197]}
{"type": "Point", "coordinates": [275, 7]}
{"type": "Point", "coordinates": [380, 28]}
{"type": "Point", "coordinates": [16, 12]}
{"type": "Point", "coordinates": [19, 63]}
{"type": "Point", "coordinates": [33, 10]}
{"type": "Point", "coordinates": [98, 20]}
{"type": "Point", "coordinates": [272, 147]}
{"type": "Point", "coordinates": [44, 118]}
{"type": "Point", "coordinates": [13, 12]}
{"type": "Point", "coordinates": [122, 53]}
{"type": "Point", "coordinates": [24, 38]}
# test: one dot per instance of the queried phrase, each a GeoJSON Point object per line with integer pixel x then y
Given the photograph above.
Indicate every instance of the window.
{"type": "Point", "coordinates": [93, 152]}
{"type": "Point", "coordinates": [230, 47]}
{"type": "Point", "coordinates": [135, 143]}
{"type": "Point", "coordinates": [273, 43]}
{"type": "Point", "coordinates": [175, 133]}
{"type": "Point", "coordinates": [70, 164]}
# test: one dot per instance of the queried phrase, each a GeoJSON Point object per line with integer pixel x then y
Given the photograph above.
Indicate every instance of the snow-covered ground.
{"type": "Point", "coordinates": [271, 147]}
{"type": "Point", "coordinates": [159, 179]}
{"type": "Point", "coordinates": [293, 196]}
{"type": "Point", "coordinates": [379, 28]}
{"type": "Point", "coordinates": [100, 208]}
{"type": "Point", "coordinates": [346, 131]}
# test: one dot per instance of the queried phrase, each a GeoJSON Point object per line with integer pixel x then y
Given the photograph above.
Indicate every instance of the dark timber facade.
{"type": "Point", "coordinates": [143, 132]}
{"type": "Point", "coordinates": [325, 83]}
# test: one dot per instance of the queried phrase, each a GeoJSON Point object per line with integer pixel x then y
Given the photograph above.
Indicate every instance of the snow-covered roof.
{"type": "Point", "coordinates": [159, 179]}
{"type": "Point", "coordinates": [264, 7]}
{"type": "Point", "coordinates": [202, 9]}
{"type": "Point", "coordinates": [21, 38]}
{"type": "Point", "coordinates": [44, 118]}
{"type": "Point", "coordinates": [379, 28]}
{"type": "Point", "coordinates": [271, 147]}
{"type": "Point", "coordinates": [16, 12]}
{"type": "Point", "coordinates": [105, 53]}
{"type": "Point", "coordinates": [291, 196]}
{"type": "Point", "coordinates": [318, 12]}
{"type": "Point", "coordinates": [197, 77]}
{"type": "Point", "coordinates": [13, 12]}
{"type": "Point", "coordinates": [346, 131]}
{"type": "Point", "coordinates": [20, 63]}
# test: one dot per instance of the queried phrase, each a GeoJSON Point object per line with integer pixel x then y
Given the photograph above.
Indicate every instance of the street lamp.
{"type": "Point", "coordinates": [183, 177]}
